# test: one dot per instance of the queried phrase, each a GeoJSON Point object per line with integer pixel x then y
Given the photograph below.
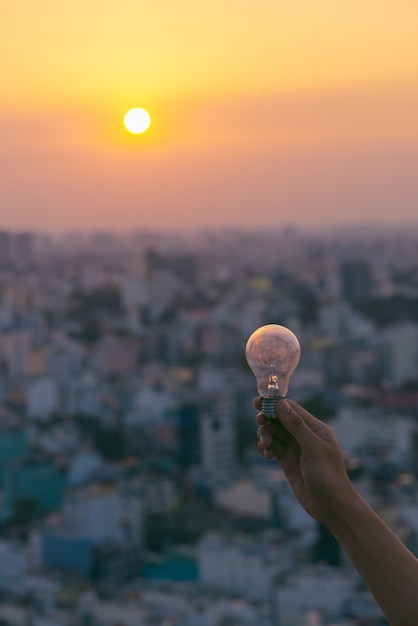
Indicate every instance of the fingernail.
{"type": "Point", "coordinates": [284, 407]}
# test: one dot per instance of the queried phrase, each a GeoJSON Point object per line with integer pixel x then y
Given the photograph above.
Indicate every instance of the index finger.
{"type": "Point", "coordinates": [309, 419]}
{"type": "Point", "coordinates": [257, 403]}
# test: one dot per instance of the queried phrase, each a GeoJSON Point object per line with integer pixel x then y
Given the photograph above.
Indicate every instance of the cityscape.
{"type": "Point", "coordinates": [175, 176]}
{"type": "Point", "coordinates": [131, 488]}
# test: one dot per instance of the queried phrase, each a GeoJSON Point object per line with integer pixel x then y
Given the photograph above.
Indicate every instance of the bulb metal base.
{"type": "Point", "coordinates": [268, 406]}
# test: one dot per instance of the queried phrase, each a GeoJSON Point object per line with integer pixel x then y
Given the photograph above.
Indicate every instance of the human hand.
{"type": "Point", "coordinates": [308, 453]}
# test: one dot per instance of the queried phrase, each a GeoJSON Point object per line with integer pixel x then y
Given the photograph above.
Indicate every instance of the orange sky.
{"type": "Point", "coordinates": [264, 113]}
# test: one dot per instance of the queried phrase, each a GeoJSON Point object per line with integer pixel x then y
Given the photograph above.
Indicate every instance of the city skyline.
{"type": "Point", "coordinates": [262, 115]}
{"type": "Point", "coordinates": [127, 434]}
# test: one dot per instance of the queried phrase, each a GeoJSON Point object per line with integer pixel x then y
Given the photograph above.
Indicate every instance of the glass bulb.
{"type": "Point", "coordinates": [272, 353]}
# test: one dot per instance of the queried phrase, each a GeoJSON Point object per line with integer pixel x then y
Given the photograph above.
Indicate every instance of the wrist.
{"type": "Point", "coordinates": [338, 515]}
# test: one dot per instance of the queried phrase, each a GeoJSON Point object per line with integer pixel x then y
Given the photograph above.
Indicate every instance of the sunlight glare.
{"type": "Point", "coordinates": [137, 120]}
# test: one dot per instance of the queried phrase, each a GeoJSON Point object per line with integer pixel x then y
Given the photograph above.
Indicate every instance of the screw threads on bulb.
{"type": "Point", "coordinates": [268, 406]}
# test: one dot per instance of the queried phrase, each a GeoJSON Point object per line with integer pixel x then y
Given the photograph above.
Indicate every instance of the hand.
{"type": "Point", "coordinates": [308, 453]}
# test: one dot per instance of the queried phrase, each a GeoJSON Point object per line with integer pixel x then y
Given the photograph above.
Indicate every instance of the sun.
{"type": "Point", "coordinates": [137, 120]}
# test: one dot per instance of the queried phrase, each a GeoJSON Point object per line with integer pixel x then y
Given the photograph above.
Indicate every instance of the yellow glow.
{"type": "Point", "coordinates": [137, 120]}
{"type": "Point", "coordinates": [80, 54]}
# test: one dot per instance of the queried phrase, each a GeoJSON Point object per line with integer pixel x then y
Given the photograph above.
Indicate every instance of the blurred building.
{"type": "Point", "coordinates": [13, 562]}
{"type": "Point", "coordinates": [245, 498]}
{"type": "Point", "coordinates": [188, 416]}
{"type": "Point", "coordinates": [99, 536]}
{"type": "Point", "coordinates": [322, 589]}
{"type": "Point", "coordinates": [106, 563]}
{"type": "Point", "coordinates": [81, 394]}
{"type": "Point", "coordinates": [116, 355]}
{"type": "Point", "coordinates": [31, 487]}
{"type": "Point", "coordinates": [82, 466]}
{"type": "Point", "coordinates": [238, 566]}
{"type": "Point", "coordinates": [5, 247]}
{"type": "Point", "coordinates": [17, 350]}
{"type": "Point", "coordinates": [17, 248]}
{"type": "Point", "coordinates": [356, 280]}
{"type": "Point", "coordinates": [13, 445]}
{"type": "Point", "coordinates": [42, 398]}
{"type": "Point", "coordinates": [100, 512]}
{"type": "Point", "coordinates": [218, 437]}
{"type": "Point", "coordinates": [399, 363]}
{"type": "Point", "coordinates": [182, 265]}
{"type": "Point", "coordinates": [23, 246]}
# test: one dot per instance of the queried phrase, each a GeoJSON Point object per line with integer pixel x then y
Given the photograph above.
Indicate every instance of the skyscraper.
{"type": "Point", "coordinates": [5, 247]}
{"type": "Point", "coordinates": [356, 280]}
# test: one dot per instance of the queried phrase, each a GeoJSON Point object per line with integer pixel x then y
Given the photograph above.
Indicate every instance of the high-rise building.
{"type": "Point", "coordinates": [5, 247]}
{"type": "Point", "coordinates": [32, 483]}
{"type": "Point", "coordinates": [237, 567]}
{"type": "Point", "coordinates": [23, 245]}
{"type": "Point", "coordinates": [17, 352]}
{"type": "Point", "coordinates": [102, 512]}
{"type": "Point", "coordinates": [189, 434]}
{"type": "Point", "coordinates": [42, 398]}
{"type": "Point", "coordinates": [16, 248]}
{"type": "Point", "coordinates": [399, 354]}
{"type": "Point", "coordinates": [13, 445]}
{"type": "Point", "coordinates": [356, 280]}
{"type": "Point", "coordinates": [218, 439]}
{"type": "Point", "coordinates": [181, 265]}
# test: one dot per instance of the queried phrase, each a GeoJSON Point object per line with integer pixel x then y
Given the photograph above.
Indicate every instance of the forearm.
{"type": "Point", "coordinates": [388, 568]}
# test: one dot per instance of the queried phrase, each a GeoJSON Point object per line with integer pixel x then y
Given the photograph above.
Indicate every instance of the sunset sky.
{"type": "Point", "coordinates": [264, 113]}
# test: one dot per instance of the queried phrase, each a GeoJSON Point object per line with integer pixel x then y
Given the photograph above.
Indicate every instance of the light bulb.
{"type": "Point", "coordinates": [272, 353]}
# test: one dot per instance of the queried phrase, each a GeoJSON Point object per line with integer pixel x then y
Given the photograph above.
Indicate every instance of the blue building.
{"type": "Point", "coordinates": [71, 554]}
{"type": "Point", "coordinates": [13, 445]}
{"type": "Point", "coordinates": [105, 562]}
{"type": "Point", "coordinates": [38, 483]}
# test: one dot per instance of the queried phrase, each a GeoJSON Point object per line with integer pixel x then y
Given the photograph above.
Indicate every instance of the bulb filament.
{"type": "Point", "coordinates": [273, 382]}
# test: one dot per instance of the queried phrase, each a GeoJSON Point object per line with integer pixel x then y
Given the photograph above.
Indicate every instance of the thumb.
{"type": "Point", "coordinates": [295, 424]}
